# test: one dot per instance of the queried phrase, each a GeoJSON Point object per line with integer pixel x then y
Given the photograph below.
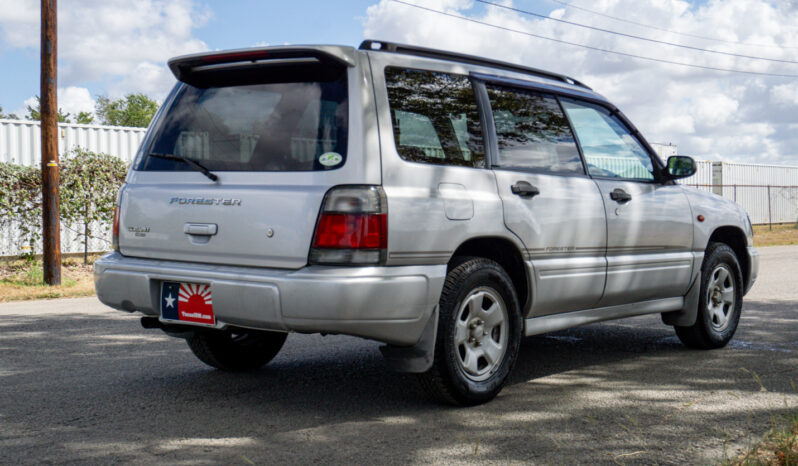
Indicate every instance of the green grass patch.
{"type": "Point", "coordinates": [24, 279]}
{"type": "Point", "coordinates": [33, 275]}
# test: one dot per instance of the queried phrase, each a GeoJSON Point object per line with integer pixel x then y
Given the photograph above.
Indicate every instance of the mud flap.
{"type": "Point", "coordinates": [687, 315]}
{"type": "Point", "coordinates": [418, 358]}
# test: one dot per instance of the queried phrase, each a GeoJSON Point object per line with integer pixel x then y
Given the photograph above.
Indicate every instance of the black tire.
{"type": "Point", "coordinates": [707, 331]}
{"type": "Point", "coordinates": [447, 380]}
{"type": "Point", "coordinates": [236, 351]}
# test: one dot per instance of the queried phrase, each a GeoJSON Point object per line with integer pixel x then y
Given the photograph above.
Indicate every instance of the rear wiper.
{"type": "Point", "coordinates": [191, 162]}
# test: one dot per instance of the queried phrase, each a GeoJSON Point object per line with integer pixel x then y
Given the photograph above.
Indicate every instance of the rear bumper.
{"type": "Point", "coordinates": [388, 304]}
{"type": "Point", "coordinates": [753, 270]}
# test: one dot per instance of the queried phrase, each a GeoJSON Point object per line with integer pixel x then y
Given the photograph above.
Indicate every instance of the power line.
{"type": "Point", "coordinates": [632, 36]}
{"type": "Point", "coordinates": [696, 36]}
{"type": "Point", "coordinates": [590, 47]}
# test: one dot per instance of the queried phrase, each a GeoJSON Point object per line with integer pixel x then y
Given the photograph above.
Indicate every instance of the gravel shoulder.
{"type": "Point", "coordinates": [82, 383]}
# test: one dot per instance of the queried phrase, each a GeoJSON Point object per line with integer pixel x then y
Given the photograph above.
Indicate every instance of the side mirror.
{"type": "Point", "coordinates": [680, 166]}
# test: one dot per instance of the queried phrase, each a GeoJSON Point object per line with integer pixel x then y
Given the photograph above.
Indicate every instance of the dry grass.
{"type": "Point", "coordinates": [780, 235]}
{"type": "Point", "coordinates": [778, 448]}
{"type": "Point", "coordinates": [23, 280]}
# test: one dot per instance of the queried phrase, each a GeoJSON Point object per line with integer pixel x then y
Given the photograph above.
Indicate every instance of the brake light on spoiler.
{"type": "Point", "coordinates": [235, 56]}
{"type": "Point", "coordinates": [185, 67]}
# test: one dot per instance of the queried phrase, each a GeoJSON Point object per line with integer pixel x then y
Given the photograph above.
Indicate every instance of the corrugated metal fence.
{"type": "Point", "coordinates": [20, 141]}
{"type": "Point", "coordinates": [703, 176]}
{"type": "Point", "coordinates": [768, 192]}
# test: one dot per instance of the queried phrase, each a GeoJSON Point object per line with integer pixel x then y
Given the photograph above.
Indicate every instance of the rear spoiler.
{"type": "Point", "coordinates": [184, 66]}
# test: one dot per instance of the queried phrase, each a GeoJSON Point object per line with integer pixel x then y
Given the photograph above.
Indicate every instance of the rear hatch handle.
{"type": "Point", "coordinates": [200, 229]}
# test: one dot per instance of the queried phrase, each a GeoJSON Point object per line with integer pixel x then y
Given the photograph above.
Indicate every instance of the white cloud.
{"type": "Point", "coordinates": [17, 20]}
{"type": "Point", "coordinates": [121, 43]}
{"type": "Point", "coordinates": [714, 110]}
{"type": "Point", "coordinates": [675, 124]}
{"type": "Point", "coordinates": [71, 100]}
{"type": "Point", "coordinates": [74, 100]}
{"type": "Point", "coordinates": [709, 114]}
{"type": "Point", "coordinates": [23, 110]}
{"type": "Point", "coordinates": [785, 94]}
{"type": "Point", "coordinates": [153, 79]}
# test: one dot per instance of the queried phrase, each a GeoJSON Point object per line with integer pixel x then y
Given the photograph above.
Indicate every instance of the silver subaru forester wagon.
{"type": "Point", "coordinates": [443, 204]}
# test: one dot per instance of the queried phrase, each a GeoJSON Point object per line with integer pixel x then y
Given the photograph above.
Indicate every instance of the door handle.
{"type": "Point", "coordinates": [620, 196]}
{"type": "Point", "coordinates": [524, 189]}
{"type": "Point", "coordinates": [200, 229]}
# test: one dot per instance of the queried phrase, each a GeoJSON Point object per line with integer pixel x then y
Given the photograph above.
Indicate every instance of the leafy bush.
{"type": "Point", "coordinates": [89, 183]}
{"type": "Point", "coordinates": [21, 201]}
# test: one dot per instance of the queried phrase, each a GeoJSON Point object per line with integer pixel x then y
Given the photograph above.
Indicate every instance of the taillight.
{"type": "Point", "coordinates": [115, 230]}
{"type": "Point", "coordinates": [352, 227]}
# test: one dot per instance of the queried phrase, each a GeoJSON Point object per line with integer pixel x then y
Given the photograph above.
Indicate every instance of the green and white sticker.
{"type": "Point", "coordinates": [330, 159]}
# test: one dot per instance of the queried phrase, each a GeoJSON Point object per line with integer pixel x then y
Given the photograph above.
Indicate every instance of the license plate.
{"type": "Point", "coordinates": [187, 302]}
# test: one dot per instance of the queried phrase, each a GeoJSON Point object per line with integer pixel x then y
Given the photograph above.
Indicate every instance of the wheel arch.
{"type": "Point", "coordinates": [507, 254]}
{"type": "Point", "coordinates": [735, 238]}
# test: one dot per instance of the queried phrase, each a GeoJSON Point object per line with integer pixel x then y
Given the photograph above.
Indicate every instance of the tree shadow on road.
{"type": "Point", "coordinates": [87, 389]}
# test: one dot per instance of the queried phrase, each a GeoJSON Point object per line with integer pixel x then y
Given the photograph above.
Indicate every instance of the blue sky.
{"type": "Point", "coordinates": [115, 47]}
{"type": "Point", "coordinates": [228, 24]}
{"type": "Point", "coordinates": [231, 24]}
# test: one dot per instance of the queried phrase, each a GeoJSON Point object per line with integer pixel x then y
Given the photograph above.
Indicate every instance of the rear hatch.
{"type": "Point", "coordinates": [273, 127]}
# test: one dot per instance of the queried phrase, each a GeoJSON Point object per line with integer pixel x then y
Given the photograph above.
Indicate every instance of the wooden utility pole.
{"type": "Point", "coordinates": [51, 236]}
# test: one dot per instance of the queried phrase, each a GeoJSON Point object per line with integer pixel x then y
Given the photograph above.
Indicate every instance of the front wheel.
{"type": "Point", "coordinates": [235, 351]}
{"type": "Point", "coordinates": [720, 302]}
{"type": "Point", "coordinates": [479, 333]}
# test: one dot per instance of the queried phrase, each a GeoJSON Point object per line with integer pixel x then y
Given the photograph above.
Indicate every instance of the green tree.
{"type": "Point", "coordinates": [7, 116]}
{"type": "Point", "coordinates": [84, 118]}
{"type": "Point", "coordinates": [131, 110]}
{"type": "Point", "coordinates": [35, 114]}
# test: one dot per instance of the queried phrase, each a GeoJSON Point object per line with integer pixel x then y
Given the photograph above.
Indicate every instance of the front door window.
{"type": "Point", "coordinates": [610, 150]}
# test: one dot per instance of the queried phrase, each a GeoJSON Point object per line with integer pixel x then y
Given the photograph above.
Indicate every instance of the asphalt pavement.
{"type": "Point", "coordinates": [81, 383]}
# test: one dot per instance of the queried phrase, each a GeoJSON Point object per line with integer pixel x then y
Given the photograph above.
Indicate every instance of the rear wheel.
{"type": "Point", "coordinates": [479, 333]}
{"type": "Point", "coordinates": [244, 350]}
{"type": "Point", "coordinates": [720, 302]}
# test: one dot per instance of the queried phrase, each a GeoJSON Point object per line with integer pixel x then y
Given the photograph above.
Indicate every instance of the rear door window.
{"type": "Point", "coordinates": [532, 132]}
{"type": "Point", "coordinates": [297, 125]}
{"type": "Point", "coordinates": [435, 117]}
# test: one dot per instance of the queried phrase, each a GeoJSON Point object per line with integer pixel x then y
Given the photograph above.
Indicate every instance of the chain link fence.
{"type": "Point", "coordinates": [766, 204]}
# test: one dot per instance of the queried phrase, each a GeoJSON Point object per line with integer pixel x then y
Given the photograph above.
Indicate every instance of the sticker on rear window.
{"type": "Point", "coordinates": [330, 159]}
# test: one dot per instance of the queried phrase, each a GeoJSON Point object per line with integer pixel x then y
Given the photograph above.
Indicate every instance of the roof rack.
{"type": "Point", "coordinates": [381, 46]}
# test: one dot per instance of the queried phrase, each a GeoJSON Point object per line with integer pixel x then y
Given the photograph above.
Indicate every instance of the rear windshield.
{"type": "Point", "coordinates": [299, 124]}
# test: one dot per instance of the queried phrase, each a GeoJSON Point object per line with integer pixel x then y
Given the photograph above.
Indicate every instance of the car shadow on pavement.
{"type": "Point", "coordinates": [88, 389]}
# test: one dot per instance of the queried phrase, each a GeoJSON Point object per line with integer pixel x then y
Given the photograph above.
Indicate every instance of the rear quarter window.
{"type": "Point", "coordinates": [532, 132]}
{"type": "Point", "coordinates": [435, 117]}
